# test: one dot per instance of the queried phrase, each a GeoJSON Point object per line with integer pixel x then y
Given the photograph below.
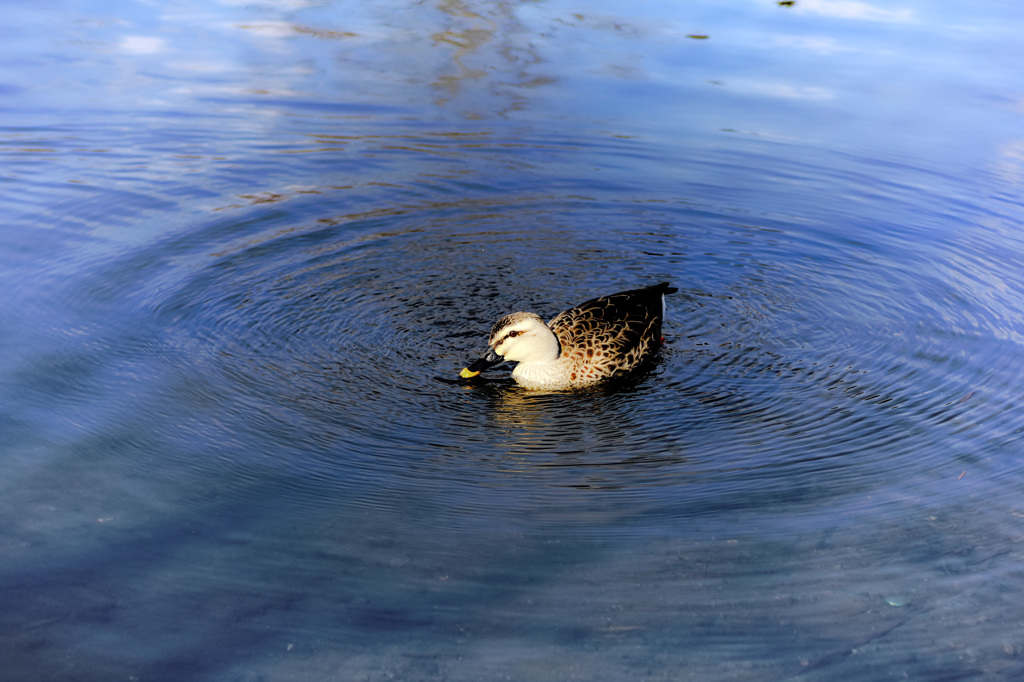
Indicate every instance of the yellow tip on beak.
{"type": "Point", "coordinates": [466, 374]}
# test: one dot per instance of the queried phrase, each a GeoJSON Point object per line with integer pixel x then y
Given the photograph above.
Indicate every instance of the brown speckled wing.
{"type": "Point", "coordinates": [612, 333]}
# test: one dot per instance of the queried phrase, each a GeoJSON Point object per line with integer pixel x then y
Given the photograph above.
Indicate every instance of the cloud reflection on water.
{"type": "Point", "coordinates": [851, 9]}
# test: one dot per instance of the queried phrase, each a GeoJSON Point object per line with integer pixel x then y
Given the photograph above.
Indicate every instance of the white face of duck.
{"type": "Point", "coordinates": [523, 337]}
{"type": "Point", "coordinates": [518, 337]}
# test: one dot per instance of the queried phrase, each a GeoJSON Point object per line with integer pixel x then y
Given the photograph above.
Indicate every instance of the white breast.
{"type": "Point", "coordinates": [545, 375]}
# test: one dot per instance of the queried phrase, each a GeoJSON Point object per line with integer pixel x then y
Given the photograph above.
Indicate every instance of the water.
{"type": "Point", "coordinates": [246, 247]}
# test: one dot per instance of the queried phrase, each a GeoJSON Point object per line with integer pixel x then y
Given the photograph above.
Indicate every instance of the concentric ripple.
{"type": "Point", "coordinates": [306, 348]}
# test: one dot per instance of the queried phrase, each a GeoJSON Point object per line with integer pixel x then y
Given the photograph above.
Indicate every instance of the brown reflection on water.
{"type": "Point", "coordinates": [490, 58]}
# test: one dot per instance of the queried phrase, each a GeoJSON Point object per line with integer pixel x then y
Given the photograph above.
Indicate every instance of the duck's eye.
{"type": "Point", "coordinates": [514, 334]}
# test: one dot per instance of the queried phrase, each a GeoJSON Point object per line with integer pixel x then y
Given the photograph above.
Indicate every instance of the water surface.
{"type": "Point", "coordinates": [245, 245]}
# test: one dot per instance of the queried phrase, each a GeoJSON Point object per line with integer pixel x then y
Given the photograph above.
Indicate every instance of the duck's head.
{"type": "Point", "coordinates": [517, 337]}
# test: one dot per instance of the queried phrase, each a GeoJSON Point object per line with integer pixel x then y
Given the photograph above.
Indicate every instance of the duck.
{"type": "Point", "coordinates": [604, 337]}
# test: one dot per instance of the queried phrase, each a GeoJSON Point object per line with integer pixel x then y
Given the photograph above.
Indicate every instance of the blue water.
{"type": "Point", "coordinates": [246, 248]}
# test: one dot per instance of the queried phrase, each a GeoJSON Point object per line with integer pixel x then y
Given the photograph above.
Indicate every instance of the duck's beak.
{"type": "Point", "coordinates": [489, 360]}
